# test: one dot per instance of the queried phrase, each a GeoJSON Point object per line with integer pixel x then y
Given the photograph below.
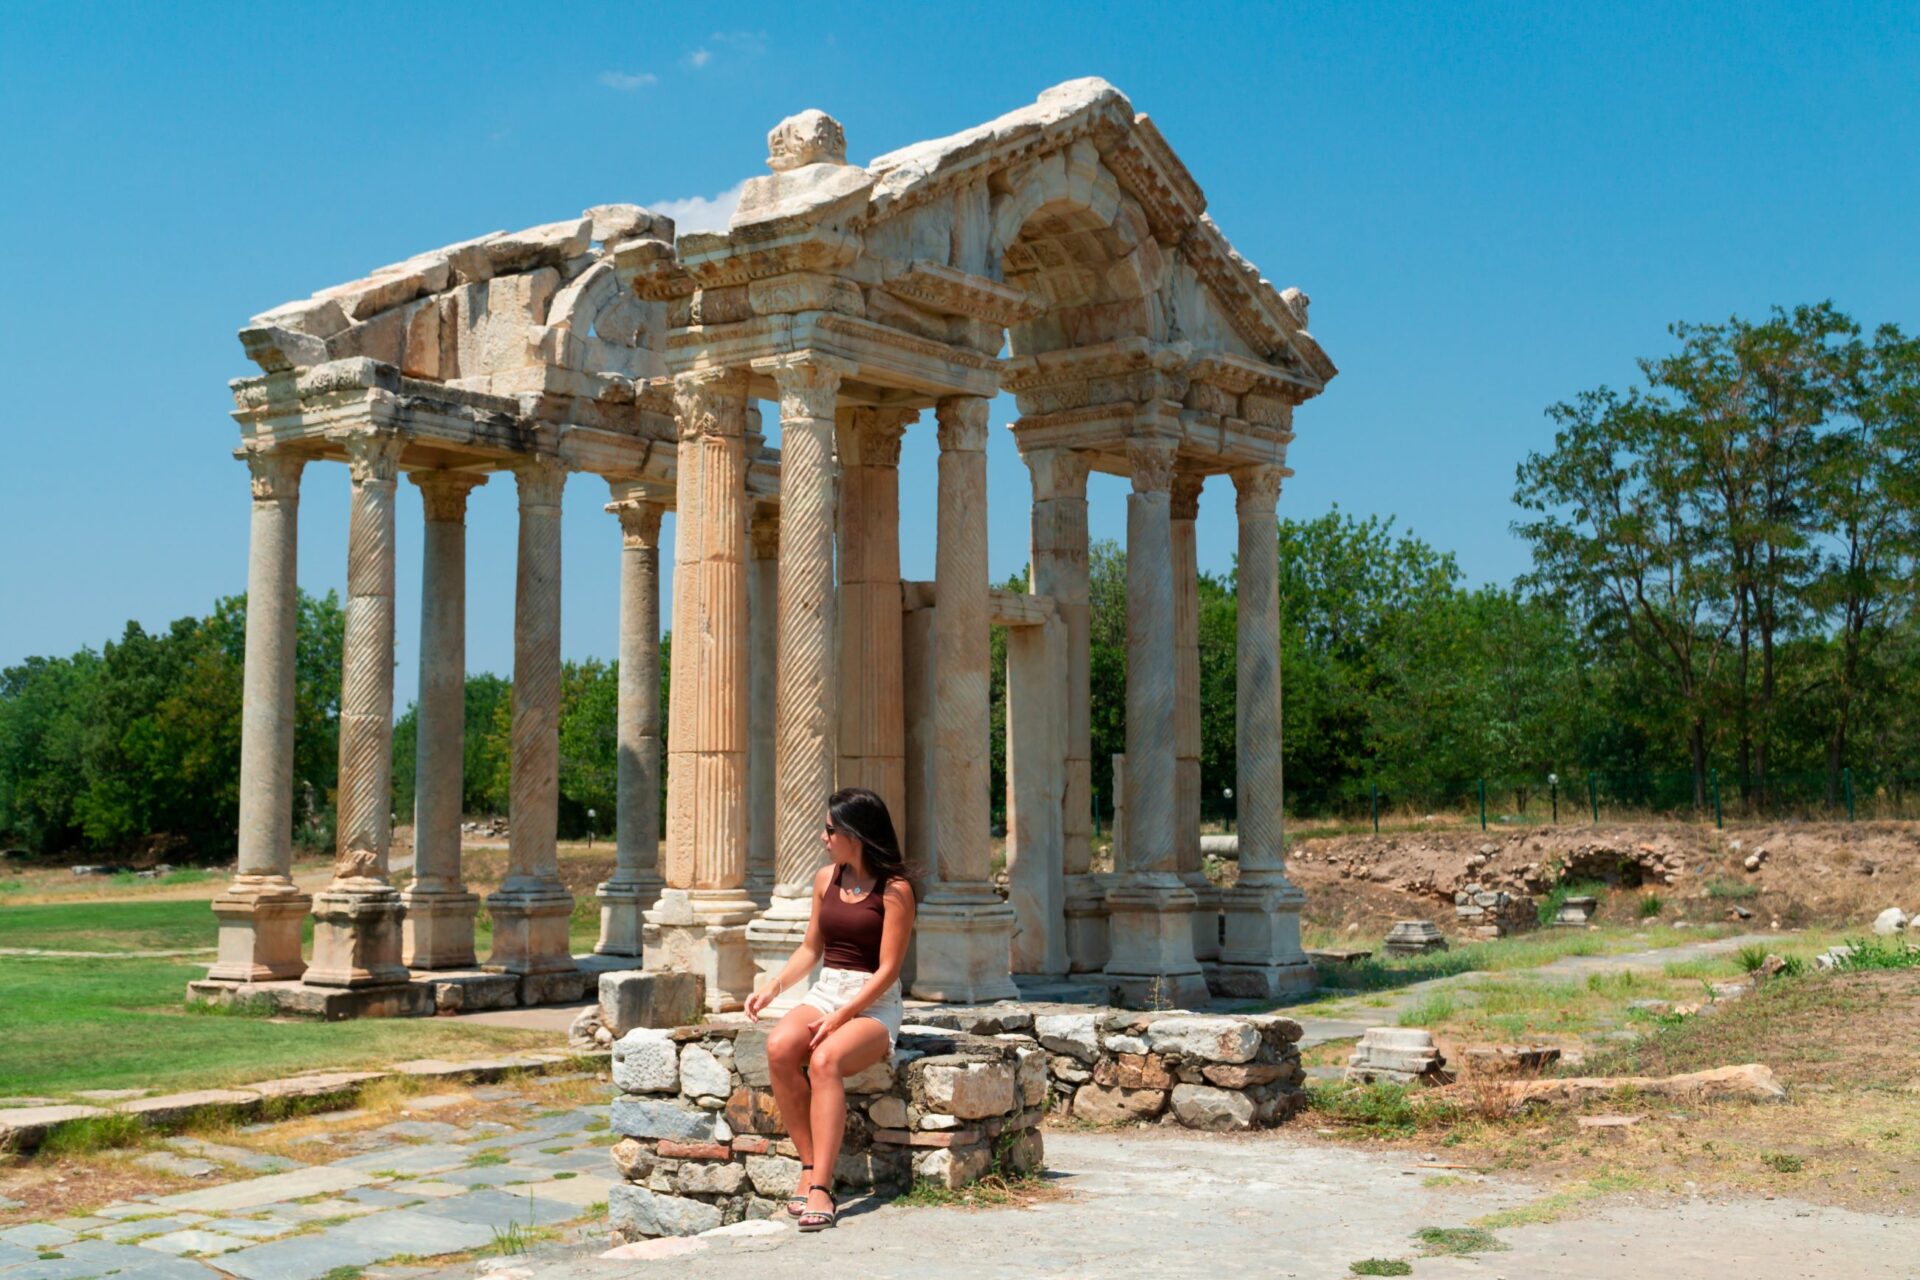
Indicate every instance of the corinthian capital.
{"type": "Point", "coordinates": [871, 437]}
{"type": "Point", "coordinates": [1186, 494]}
{"type": "Point", "coordinates": [639, 521]}
{"type": "Point", "coordinates": [1057, 473]}
{"type": "Point", "coordinates": [372, 456]}
{"type": "Point", "coordinates": [710, 402]}
{"type": "Point", "coordinates": [1152, 459]}
{"type": "Point", "coordinates": [763, 529]}
{"type": "Point", "coordinates": [275, 473]}
{"type": "Point", "coordinates": [963, 423]}
{"type": "Point", "coordinates": [1257, 491]}
{"type": "Point", "coordinates": [444, 493]}
{"type": "Point", "coordinates": [540, 481]}
{"type": "Point", "coordinates": [809, 385]}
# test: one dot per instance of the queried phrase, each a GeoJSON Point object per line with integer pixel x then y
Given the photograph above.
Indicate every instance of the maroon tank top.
{"type": "Point", "coordinates": [851, 930]}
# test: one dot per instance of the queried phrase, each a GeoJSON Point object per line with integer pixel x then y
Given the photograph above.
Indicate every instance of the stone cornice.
{"type": "Point", "coordinates": [948, 291]}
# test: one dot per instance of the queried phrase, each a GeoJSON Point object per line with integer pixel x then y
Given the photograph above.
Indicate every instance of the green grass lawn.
{"type": "Point", "coordinates": [68, 1024]}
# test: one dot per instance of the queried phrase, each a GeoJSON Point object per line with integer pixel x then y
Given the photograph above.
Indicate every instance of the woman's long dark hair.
{"type": "Point", "coordinates": [863, 815]}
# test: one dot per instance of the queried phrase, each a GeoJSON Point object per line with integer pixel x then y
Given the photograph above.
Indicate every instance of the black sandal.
{"type": "Point", "coordinates": [800, 1196]}
{"type": "Point", "coordinates": [820, 1219]}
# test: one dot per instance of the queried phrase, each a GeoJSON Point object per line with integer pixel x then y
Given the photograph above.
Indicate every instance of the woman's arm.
{"type": "Point", "coordinates": [896, 928]}
{"type": "Point", "coordinates": [804, 957]}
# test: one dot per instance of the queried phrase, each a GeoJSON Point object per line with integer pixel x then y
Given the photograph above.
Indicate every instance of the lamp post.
{"type": "Point", "coordinates": [1553, 787]}
{"type": "Point", "coordinates": [591, 815]}
{"type": "Point", "coordinates": [1228, 793]}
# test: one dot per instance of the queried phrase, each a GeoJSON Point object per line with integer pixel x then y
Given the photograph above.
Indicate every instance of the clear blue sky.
{"type": "Point", "coordinates": [1492, 206]}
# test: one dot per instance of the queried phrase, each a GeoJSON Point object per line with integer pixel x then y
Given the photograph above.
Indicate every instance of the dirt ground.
{"type": "Point", "coordinates": [1808, 873]}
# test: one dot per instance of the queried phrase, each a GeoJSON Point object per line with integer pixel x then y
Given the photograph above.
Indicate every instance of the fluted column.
{"type": "Point", "coordinates": [260, 912]}
{"type": "Point", "coordinates": [636, 876]}
{"type": "Point", "coordinates": [438, 930]}
{"type": "Point", "coordinates": [532, 909]}
{"type": "Point", "coordinates": [1060, 570]}
{"type": "Point", "coordinates": [805, 741]}
{"type": "Point", "coordinates": [965, 929]}
{"type": "Point", "coordinates": [1184, 508]}
{"type": "Point", "coordinates": [1150, 919]}
{"type": "Point", "coordinates": [1261, 956]}
{"type": "Point", "coordinates": [699, 921]}
{"type": "Point", "coordinates": [356, 933]}
{"type": "Point", "coordinates": [873, 732]}
{"type": "Point", "coordinates": [763, 688]}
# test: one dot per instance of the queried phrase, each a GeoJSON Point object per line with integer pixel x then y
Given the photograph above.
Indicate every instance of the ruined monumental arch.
{"type": "Point", "coordinates": [1062, 252]}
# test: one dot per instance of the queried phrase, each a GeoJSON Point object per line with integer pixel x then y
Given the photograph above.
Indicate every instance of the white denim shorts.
{"type": "Point", "coordinates": [835, 987]}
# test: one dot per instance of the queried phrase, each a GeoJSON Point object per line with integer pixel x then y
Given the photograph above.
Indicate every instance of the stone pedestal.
{"type": "Point", "coordinates": [1086, 916]}
{"type": "Point", "coordinates": [356, 936]}
{"type": "Point", "coordinates": [1261, 958]}
{"type": "Point", "coordinates": [964, 944]}
{"type": "Point", "coordinates": [259, 931]}
{"type": "Point", "coordinates": [1151, 935]}
{"type": "Point", "coordinates": [437, 932]}
{"type": "Point", "coordinates": [704, 932]}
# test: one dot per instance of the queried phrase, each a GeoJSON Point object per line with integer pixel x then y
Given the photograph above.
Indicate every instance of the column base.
{"type": "Point", "coordinates": [760, 891]}
{"type": "Point", "coordinates": [356, 936]}
{"type": "Point", "coordinates": [965, 947]}
{"type": "Point", "coordinates": [531, 929]}
{"type": "Point", "coordinates": [622, 902]}
{"type": "Point", "coordinates": [259, 931]}
{"type": "Point", "coordinates": [438, 930]}
{"type": "Point", "coordinates": [1206, 916]}
{"type": "Point", "coordinates": [1150, 927]}
{"type": "Point", "coordinates": [772, 939]}
{"type": "Point", "coordinates": [704, 931]}
{"type": "Point", "coordinates": [1262, 957]}
{"type": "Point", "coordinates": [1086, 912]}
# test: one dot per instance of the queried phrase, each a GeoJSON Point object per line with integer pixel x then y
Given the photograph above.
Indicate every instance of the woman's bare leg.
{"type": "Point", "coordinates": [787, 1051]}
{"type": "Point", "coordinates": [847, 1052]}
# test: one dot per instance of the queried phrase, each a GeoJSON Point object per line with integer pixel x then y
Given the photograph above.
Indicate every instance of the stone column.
{"type": "Point", "coordinates": [805, 742]}
{"type": "Point", "coordinates": [873, 731]}
{"type": "Point", "coordinates": [965, 929]}
{"type": "Point", "coordinates": [261, 910]}
{"type": "Point", "coordinates": [636, 876]}
{"type": "Point", "coordinates": [1184, 507]}
{"type": "Point", "coordinates": [1261, 956]}
{"type": "Point", "coordinates": [356, 919]}
{"type": "Point", "coordinates": [699, 922]}
{"type": "Point", "coordinates": [1150, 910]}
{"type": "Point", "coordinates": [1036, 783]}
{"type": "Point", "coordinates": [438, 930]}
{"type": "Point", "coordinates": [1059, 552]}
{"type": "Point", "coordinates": [763, 690]}
{"type": "Point", "coordinates": [532, 909]}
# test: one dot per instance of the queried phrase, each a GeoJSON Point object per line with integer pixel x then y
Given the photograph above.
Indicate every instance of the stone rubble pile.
{"type": "Point", "coordinates": [1485, 914]}
{"type": "Point", "coordinates": [1398, 1055]}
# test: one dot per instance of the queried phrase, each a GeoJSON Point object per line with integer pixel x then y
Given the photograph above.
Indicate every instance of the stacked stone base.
{"type": "Point", "coordinates": [1486, 915]}
{"type": "Point", "coordinates": [1397, 1055]}
{"type": "Point", "coordinates": [422, 995]}
{"type": "Point", "coordinates": [703, 1144]}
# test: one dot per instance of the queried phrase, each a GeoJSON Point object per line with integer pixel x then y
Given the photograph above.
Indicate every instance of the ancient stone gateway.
{"type": "Point", "coordinates": [1061, 252]}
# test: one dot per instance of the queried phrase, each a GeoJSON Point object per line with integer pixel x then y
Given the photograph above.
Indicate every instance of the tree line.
{"type": "Point", "coordinates": [1722, 584]}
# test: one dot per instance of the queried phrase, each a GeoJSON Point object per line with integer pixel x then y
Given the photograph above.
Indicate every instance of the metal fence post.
{"type": "Point", "coordinates": [1483, 803]}
{"type": "Point", "coordinates": [1846, 780]}
{"type": "Point", "coordinates": [1593, 796]}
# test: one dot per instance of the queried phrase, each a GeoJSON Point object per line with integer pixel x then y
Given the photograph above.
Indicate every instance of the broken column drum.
{"type": "Point", "coordinates": [1062, 253]}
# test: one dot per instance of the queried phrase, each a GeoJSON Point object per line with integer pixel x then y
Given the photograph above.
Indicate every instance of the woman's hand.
{"type": "Point", "coordinates": [760, 1000]}
{"type": "Point", "coordinates": [826, 1027]}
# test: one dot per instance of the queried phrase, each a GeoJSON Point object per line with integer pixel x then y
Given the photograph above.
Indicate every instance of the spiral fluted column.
{"type": "Point", "coordinates": [356, 933]}
{"type": "Point", "coordinates": [1261, 956]}
{"type": "Point", "coordinates": [699, 921]}
{"type": "Point", "coordinates": [805, 742]}
{"type": "Point", "coordinates": [636, 878]}
{"type": "Point", "coordinates": [763, 689]}
{"type": "Point", "coordinates": [438, 929]}
{"type": "Point", "coordinates": [1184, 508]}
{"type": "Point", "coordinates": [532, 908]}
{"type": "Point", "coordinates": [965, 930]}
{"type": "Point", "coordinates": [260, 911]}
{"type": "Point", "coordinates": [1150, 921]}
